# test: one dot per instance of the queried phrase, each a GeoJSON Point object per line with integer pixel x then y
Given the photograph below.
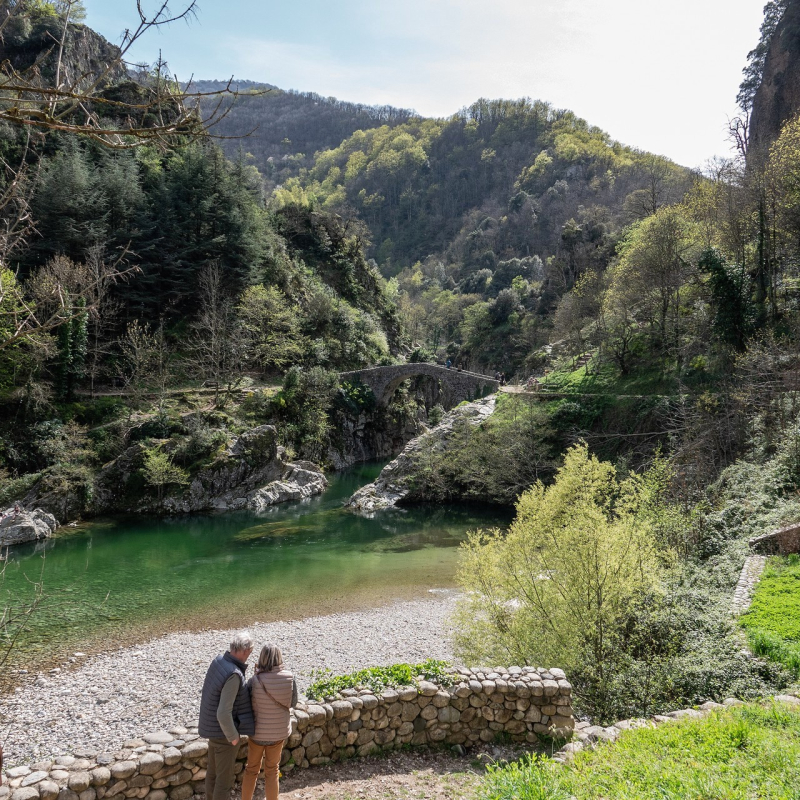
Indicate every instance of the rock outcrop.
{"type": "Point", "coordinates": [252, 473]}
{"type": "Point", "coordinates": [781, 542]}
{"type": "Point", "coordinates": [25, 526]}
{"type": "Point", "coordinates": [398, 480]}
{"type": "Point", "coordinates": [296, 481]}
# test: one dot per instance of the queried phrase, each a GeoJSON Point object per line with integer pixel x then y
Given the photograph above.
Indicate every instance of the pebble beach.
{"type": "Point", "coordinates": [102, 700]}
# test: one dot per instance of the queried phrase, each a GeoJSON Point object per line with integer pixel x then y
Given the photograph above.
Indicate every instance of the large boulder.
{"type": "Point", "coordinates": [301, 479]}
{"type": "Point", "coordinates": [25, 526]}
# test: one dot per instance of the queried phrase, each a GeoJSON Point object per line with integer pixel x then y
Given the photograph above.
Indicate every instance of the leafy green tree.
{"type": "Point", "coordinates": [271, 328]}
{"type": "Point", "coordinates": [555, 588]}
{"type": "Point", "coordinates": [656, 260]}
{"type": "Point", "coordinates": [159, 471]}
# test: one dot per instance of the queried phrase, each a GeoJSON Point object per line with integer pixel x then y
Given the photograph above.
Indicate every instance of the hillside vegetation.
{"type": "Point", "coordinates": [280, 131]}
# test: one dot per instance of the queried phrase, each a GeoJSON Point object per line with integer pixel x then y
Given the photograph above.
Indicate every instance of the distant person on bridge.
{"type": "Point", "coordinates": [448, 363]}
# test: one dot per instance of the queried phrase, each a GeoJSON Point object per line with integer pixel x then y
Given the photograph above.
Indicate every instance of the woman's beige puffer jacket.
{"type": "Point", "coordinates": [272, 712]}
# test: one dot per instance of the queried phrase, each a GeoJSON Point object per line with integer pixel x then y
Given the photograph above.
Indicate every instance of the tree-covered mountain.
{"type": "Point", "coordinates": [499, 180]}
{"type": "Point", "coordinates": [281, 131]}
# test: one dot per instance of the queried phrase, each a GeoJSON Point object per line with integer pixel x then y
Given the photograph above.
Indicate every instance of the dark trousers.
{"type": "Point", "coordinates": [219, 773]}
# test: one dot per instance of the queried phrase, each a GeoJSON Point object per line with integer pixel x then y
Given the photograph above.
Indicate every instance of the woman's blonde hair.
{"type": "Point", "coordinates": [270, 658]}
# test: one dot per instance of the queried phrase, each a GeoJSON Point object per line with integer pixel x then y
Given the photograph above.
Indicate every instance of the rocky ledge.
{"type": "Point", "coordinates": [397, 480]}
{"type": "Point", "coordinates": [298, 480]}
{"type": "Point", "coordinates": [253, 472]}
{"type": "Point", "coordinates": [25, 526]}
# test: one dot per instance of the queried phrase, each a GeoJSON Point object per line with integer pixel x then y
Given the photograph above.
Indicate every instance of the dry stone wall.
{"type": "Point", "coordinates": [521, 703]}
{"type": "Point", "coordinates": [777, 543]}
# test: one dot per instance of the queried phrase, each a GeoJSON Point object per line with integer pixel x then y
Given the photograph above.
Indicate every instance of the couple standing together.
{"type": "Point", "coordinates": [232, 707]}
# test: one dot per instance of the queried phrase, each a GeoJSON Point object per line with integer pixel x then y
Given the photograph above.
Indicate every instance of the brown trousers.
{"type": "Point", "coordinates": [220, 773]}
{"type": "Point", "coordinates": [270, 754]}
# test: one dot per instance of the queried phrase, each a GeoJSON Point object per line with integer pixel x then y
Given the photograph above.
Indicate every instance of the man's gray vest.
{"type": "Point", "coordinates": [222, 667]}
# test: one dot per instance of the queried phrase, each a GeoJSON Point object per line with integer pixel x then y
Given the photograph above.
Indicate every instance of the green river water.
{"type": "Point", "coordinates": [123, 580]}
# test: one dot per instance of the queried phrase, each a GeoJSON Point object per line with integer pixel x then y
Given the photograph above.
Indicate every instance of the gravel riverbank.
{"type": "Point", "coordinates": [156, 685]}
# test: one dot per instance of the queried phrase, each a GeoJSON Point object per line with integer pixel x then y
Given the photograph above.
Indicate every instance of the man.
{"type": "Point", "coordinates": [226, 714]}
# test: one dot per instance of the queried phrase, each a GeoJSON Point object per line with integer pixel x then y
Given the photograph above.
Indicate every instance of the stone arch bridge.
{"type": "Point", "coordinates": [454, 386]}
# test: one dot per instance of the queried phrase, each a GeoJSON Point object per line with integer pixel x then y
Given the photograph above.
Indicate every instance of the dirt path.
{"type": "Point", "coordinates": [405, 775]}
{"type": "Point", "coordinates": [399, 776]}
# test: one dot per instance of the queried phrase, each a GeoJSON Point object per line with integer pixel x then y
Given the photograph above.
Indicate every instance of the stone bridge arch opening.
{"type": "Point", "coordinates": [447, 387]}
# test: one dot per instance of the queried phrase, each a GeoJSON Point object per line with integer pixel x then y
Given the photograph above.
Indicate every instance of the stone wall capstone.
{"type": "Point", "coordinates": [518, 702]}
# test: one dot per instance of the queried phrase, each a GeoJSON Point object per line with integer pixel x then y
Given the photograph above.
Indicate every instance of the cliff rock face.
{"type": "Point", "coordinates": [778, 97]}
{"type": "Point", "coordinates": [86, 52]}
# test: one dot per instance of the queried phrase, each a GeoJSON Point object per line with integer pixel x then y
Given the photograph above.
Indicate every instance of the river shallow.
{"type": "Point", "coordinates": [124, 580]}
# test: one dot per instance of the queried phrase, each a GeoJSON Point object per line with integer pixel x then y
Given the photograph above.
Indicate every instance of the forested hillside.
{"type": "Point", "coordinates": [489, 218]}
{"type": "Point", "coordinates": [498, 180]}
{"type": "Point", "coordinates": [281, 131]}
{"type": "Point", "coordinates": [132, 266]}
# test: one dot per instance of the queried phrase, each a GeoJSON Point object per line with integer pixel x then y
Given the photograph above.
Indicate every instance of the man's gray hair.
{"type": "Point", "coordinates": [242, 640]}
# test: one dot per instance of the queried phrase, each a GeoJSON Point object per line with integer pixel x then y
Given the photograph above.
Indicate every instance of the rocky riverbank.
{"type": "Point", "coordinates": [400, 480]}
{"type": "Point", "coordinates": [107, 699]}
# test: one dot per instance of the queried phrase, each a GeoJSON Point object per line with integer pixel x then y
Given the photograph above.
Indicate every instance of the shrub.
{"type": "Point", "coordinates": [302, 406]}
{"type": "Point", "coordinates": [203, 442]}
{"type": "Point", "coordinates": [435, 415]}
{"type": "Point", "coordinates": [159, 471]}
{"type": "Point", "coordinates": [377, 679]}
{"type": "Point", "coordinates": [357, 397]}
{"type": "Point", "coordinates": [556, 588]}
{"type": "Point", "coordinates": [12, 489]}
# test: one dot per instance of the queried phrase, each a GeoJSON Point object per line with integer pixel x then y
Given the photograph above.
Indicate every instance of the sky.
{"type": "Point", "coordinates": [658, 76]}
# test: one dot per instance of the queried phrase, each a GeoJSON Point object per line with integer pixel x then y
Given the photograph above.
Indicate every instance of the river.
{"type": "Point", "coordinates": [123, 580]}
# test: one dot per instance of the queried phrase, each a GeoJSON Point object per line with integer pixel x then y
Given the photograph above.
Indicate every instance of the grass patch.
{"type": "Point", "coordinates": [746, 753]}
{"type": "Point", "coordinates": [606, 379]}
{"type": "Point", "coordinates": [377, 679]}
{"type": "Point", "coordinates": [773, 621]}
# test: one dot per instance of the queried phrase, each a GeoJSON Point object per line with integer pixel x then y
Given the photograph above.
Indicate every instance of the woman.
{"type": "Point", "coordinates": [273, 692]}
